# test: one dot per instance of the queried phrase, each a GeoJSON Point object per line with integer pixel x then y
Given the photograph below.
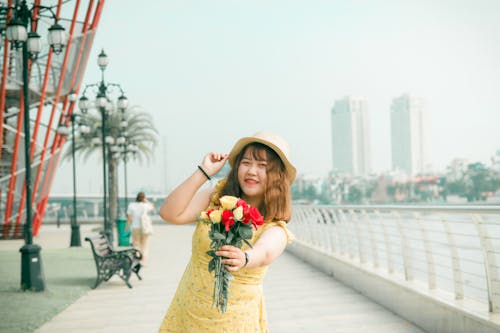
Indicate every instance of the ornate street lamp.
{"type": "Point", "coordinates": [103, 105]}
{"type": "Point", "coordinates": [17, 34]}
{"type": "Point", "coordinates": [63, 130]}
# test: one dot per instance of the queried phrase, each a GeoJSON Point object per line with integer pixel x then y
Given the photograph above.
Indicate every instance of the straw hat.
{"type": "Point", "coordinates": [273, 141]}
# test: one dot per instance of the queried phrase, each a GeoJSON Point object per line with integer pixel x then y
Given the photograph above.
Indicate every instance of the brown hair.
{"type": "Point", "coordinates": [140, 197]}
{"type": "Point", "coordinates": [277, 196]}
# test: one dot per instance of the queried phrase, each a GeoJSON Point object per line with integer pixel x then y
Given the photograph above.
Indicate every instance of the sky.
{"type": "Point", "coordinates": [210, 72]}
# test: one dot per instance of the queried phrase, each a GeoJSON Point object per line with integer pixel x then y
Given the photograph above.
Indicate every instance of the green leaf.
{"type": "Point", "coordinates": [211, 266]}
{"type": "Point", "coordinates": [245, 232]}
{"type": "Point", "coordinates": [219, 236]}
{"type": "Point", "coordinates": [211, 253]}
{"type": "Point", "coordinates": [229, 237]}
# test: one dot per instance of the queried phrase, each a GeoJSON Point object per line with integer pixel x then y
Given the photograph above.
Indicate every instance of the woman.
{"type": "Point", "coordinates": [134, 212]}
{"type": "Point", "coordinates": [261, 174]}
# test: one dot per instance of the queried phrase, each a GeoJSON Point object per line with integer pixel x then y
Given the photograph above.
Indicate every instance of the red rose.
{"type": "Point", "coordinates": [227, 219]}
{"type": "Point", "coordinates": [254, 216]}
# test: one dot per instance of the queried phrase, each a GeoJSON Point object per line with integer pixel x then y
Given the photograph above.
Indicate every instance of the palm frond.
{"type": "Point", "coordinates": [140, 131]}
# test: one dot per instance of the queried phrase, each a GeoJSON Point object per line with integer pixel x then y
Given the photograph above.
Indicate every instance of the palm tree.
{"type": "Point", "coordinates": [131, 134]}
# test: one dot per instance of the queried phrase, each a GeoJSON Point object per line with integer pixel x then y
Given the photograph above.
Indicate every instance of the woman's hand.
{"type": "Point", "coordinates": [234, 257]}
{"type": "Point", "coordinates": [213, 162]}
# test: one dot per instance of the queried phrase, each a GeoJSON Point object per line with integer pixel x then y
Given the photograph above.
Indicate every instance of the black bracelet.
{"type": "Point", "coordinates": [247, 259]}
{"type": "Point", "coordinates": [203, 171]}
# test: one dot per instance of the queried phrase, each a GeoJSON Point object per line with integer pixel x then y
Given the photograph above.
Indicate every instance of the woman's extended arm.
{"type": "Point", "coordinates": [129, 219]}
{"type": "Point", "coordinates": [270, 245]}
{"type": "Point", "coordinates": [182, 205]}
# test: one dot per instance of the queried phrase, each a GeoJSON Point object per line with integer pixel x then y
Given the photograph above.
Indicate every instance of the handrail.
{"type": "Point", "coordinates": [483, 209]}
{"type": "Point", "coordinates": [454, 249]}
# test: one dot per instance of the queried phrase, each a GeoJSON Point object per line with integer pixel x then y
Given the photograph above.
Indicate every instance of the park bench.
{"type": "Point", "coordinates": [110, 262]}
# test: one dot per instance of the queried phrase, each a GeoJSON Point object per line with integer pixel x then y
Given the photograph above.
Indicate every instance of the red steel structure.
{"type": "Point", "coordinates": [51, 79]}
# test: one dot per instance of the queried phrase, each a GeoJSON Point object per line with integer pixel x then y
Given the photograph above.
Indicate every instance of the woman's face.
{"type": "Point", "coordinates": [252, 176]}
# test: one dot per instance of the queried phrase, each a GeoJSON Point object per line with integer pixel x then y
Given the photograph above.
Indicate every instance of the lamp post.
{"type": "Point", "coordinates": [126, 147]}
{"type": "Point", "coordinates": [63, 130]}
{"type": "Point", "coordinates": [102, 103]}
{"type": "Point", "coordinates": [125, 157]}
{"type": "Point", "coordinates": [75, 227]}
{"type": "Point", "coordinates": [17, 33]}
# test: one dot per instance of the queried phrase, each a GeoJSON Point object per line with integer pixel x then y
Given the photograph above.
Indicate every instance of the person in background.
{"type": "Point", "coordinates": [134, 212]}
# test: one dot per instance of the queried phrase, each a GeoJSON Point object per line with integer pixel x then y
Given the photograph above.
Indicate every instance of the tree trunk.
{"type": "Point", "coordinates": [113, 190]}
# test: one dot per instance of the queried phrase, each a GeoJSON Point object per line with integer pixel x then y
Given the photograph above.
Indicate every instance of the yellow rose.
{"type": "Point", "coordinates": [238, 213]}
{"type": "Point", "coordinates": [216, 215]}
{"type": "Point", "coordinates": [203, 215]}
{"type": "Point", "coordinates": [228, 202]}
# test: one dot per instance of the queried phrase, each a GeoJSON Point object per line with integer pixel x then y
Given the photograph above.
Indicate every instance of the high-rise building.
{"type": "Point", "coordinates": [409, 134]}
{"type": "Point", "coordinates": [350, 150]}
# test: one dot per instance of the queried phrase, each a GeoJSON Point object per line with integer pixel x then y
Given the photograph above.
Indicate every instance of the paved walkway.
{"type": "Point", "coordinates": [299, 298]}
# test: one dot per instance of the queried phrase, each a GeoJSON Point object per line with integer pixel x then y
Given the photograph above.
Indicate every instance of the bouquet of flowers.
{"type": "Point", "coordinates": [230, 224]}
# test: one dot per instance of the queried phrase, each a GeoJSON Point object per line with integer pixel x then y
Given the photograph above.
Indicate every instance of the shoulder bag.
{"type": "Point", "coordinates": [146, 223]}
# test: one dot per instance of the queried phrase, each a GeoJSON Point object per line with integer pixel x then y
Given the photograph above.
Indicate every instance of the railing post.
{"type": "Point", "coordinates": [404, 249]}
{"type": "Point", "coordinates": [348, 232]}
{"type": "Point", "coordinates": [324, 230]}
{"type": "Point", "coordinates": [455, 262]}
{"type": "Point", "coordinates": [387, 243]}
{"type": "Point", "coordinates": [490, 266]}
{"type": "Point", "coordinates": [359, 236]}
{"type": "Point", "coordinates": [431, 270]}
{"type": "Point", "coordinates": [307, 232]}
{"type": "Point", "coordinates": [372, 239]}
{"type": "Point", "coordinates": [331, 230]}
{"type": "Point", "coordinates": [317, 228]}
{"type": "Point", "coordinates": [340, 233]}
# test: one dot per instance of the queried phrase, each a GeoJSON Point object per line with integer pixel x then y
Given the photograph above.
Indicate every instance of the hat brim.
{"type": "Point", "coordinates": [243, 142]}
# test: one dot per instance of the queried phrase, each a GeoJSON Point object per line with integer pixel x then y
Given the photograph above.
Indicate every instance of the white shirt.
{"type": "Point", "coordinates": [135, 211]}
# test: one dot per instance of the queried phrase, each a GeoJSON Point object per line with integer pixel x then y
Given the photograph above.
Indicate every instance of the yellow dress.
{"type": "Point", "coordinates": [191, 310]}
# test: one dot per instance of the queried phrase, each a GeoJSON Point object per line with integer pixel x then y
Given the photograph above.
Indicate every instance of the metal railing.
{"type": "Point", "coordinates": [454, 250]}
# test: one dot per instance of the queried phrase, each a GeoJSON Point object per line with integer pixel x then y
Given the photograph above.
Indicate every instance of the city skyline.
{"type": "Point", "coordinates": [206, 63]}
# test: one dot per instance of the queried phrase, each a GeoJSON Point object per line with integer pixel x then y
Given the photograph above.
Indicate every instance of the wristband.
{"type": "Point", "coordinates": [203, 171]}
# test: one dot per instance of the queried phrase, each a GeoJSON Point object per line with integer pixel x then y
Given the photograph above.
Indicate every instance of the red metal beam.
{"type": "Point", "coordinates": [49, 176]}
{"type": "Point", "coordinates": [12, 183]}
{"type": "Point", "coordinates": [58, 94]}
{"type": "Point", "coordinates": [35, 131]}
{"type": "Point", "coordinates": [40, 107]}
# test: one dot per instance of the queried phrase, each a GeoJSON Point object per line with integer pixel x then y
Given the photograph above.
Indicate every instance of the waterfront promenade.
{"type": "Point", "coordinates": [299, 297]}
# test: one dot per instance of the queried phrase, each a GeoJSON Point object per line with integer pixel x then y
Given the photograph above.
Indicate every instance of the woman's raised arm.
{"type": "Point", "coordinates": [185, 202]}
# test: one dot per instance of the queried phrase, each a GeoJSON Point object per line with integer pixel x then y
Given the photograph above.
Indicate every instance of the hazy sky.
{"type": "Point", "coordinates": [210, 72]}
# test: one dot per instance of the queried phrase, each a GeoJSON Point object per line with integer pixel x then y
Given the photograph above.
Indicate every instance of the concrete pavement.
{"type": "Point", "coordinates": [299, 298]}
